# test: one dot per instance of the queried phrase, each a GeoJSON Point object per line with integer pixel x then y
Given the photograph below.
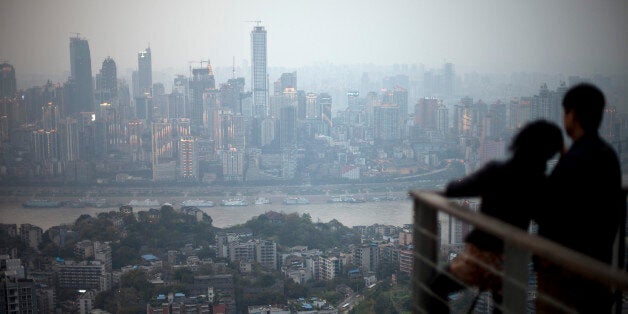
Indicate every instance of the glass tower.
{"type": "Point", "coordinates": [81, 71]}
{"type": "Point", "coordinates": [258, 67]}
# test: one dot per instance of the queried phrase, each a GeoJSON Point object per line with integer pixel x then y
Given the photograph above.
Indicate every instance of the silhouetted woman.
{"type": "Point", "coordinates": [508, 191]}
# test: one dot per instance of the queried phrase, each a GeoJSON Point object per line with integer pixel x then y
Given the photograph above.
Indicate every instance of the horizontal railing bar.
{"type": "Point", "coordinates": [572, 260]}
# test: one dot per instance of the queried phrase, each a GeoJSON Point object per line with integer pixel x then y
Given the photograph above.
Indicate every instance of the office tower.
{"type": "Point", "coordinates": [144, 72]}
{"type": "Point", "coordinates": [498, 114]}
{"type": "Point", "coordinates": [179, 97]}
{"type": "Point", "coordinates": [519, 112]}
{"type": "Point", "coordinates": [68, 139]}
{"type": "Point", "coordinates": [87, 135]}
{"type": "Point", "coordinates": [443, 120]}
{"type": "Point", "coordinates": [286, 80]}
{"type": "Point", "coordinates": [50, 116]}
{"type": "Point", "coordinates": [448, 79]}
{"type": "Point", "coordinates": [353, 101]}
{"type": "Point", "coordinates": [301, 104]}
{"type": "Point", "coordinates": [223, 130]}
{"type": "Point", "coordinates": [7, 81]}
{"type": "Point", "coordinates": [230, 94]}
{"type": "Point", "coordinates": [267, 131]}
{"type": "Point", "coordinates": [107, 84]}
{"type": "Point", "coordinates": [201, 82]}
{"type": "Point", "coordinates": [324, 100]}
{"type": "Point", "coordinates": [463, 117]}
{"type": "Point", "coordinates": [81, 73]}
{"type": "Point", "coordinates": [240, 127]}
{"type": "Point", "coordinates": [258, 76]}
{"type": "Point", "coordinates": [288, 126]}
{"type": "Point", "coordinates": [188, 159]}
{"type": "Point", "coordinates": [426, 113]}
{"type": "Point", "coordinates": [400, 98]}
{"type": "Point", "coordinates": [312, 107]}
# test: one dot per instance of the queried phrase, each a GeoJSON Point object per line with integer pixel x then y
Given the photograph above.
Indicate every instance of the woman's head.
{"type": "Point", "coordinates": [538, 141]}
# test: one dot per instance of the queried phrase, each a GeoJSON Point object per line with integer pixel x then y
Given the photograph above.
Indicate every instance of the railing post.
{"type": "Point", "coordinates": [515, 282]}
{"type": "Point", "coordinates": [425, 254]}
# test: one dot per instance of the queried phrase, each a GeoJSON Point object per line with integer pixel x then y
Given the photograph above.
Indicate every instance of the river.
{"type": "Point", "coordinates": [398, 213]}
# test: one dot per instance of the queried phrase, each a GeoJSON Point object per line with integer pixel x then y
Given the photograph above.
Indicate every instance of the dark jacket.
{"type": "Point", "coordinates": [508, 191]}
{"type": "Point", "coordinates": [584, 199]}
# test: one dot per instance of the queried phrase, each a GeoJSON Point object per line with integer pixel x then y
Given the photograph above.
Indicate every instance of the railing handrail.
{"type": "Point", "coordinates": [572, 260]}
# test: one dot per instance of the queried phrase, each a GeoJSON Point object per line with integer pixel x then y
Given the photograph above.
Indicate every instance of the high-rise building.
{"type": "Point", "coordinates": [161, 138]}
{"type": "Point", "coordinates": [69, 139]}
{"type": "Point", "coordinates": [7, 81]}
{"type": "Point", "coordinates": [266, 254]}
{"type": "Point", "coordinates": [312, 108]}
{"type": "Point", "coordinates": [324, 100]}
{"type": "Point", "coordinates": [17, 295]}
{"type": "Point", "coordinates": [202, 81]}
{"type": "Point", "coordinates": [353, 100]}
{"type": "Point", "coordinates": [288, 126]}
{"type": "Point", "coordinates": [232, 165]}
{"type": "Point", "coordinates": [179, 97]}
{"type": "Point", "coordinates": [386, 122]}
{"type": "Point", "coordinates": [107, 86]}
{"type": "Point", "coordinates": [144, 72]}
{"type": "Point", "coordinates": [449, 78]}
{"type": "Point", "coordinates": [425, 114]}
{"type": "Point", "coordinates": [188, 159]}
{"type": "Point", "coordinates": [258, 76]}
{"type": "Point", "coordinates": [81, 72]}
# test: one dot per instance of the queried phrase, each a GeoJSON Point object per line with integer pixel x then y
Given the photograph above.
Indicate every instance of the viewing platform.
{"type": "Point", "coordinates": [519, 280]}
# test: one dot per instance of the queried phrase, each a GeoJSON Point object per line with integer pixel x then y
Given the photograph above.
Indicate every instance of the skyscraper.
{"type": "Point", "coordinates": [81, 72]}
{"type": "Point", "coordinates": [7, 80]}
{"type": "Point", "coordinates": [202, 81]}
{"type": "Point", "coordinates": [258, 75]}
{"type": "Point", "coordinates": [107, 88]}
{"type": "Point", "coordinates": [144, 71]}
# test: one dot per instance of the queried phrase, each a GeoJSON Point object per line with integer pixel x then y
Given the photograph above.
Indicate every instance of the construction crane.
{"type": "Point", "coordinates": [197, 62]}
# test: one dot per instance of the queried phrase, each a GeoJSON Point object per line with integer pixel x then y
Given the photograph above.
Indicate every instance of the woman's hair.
{"type": "Point", "coordinates": [538, 140]}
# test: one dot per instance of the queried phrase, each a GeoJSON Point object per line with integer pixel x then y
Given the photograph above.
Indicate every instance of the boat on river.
{"type": "Point", "coordinates": [198, 203]}
{"type": "Point", "coordinates": [235, 202]}
{"type": "Point", "coordinates": [296, 201]}
{"type": "Point", "coordinates": [261, 201]}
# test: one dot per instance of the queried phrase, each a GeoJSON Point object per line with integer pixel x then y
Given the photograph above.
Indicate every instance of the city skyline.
{"type": "Point", "coordinates": [567, 37]}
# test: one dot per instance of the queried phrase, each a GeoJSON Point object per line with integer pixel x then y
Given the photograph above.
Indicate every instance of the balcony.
{"type": "Point", "coordinates": [519, 285]}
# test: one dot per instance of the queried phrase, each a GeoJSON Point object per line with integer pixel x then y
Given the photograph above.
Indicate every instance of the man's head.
{"type": "Point", "coordinates": [583, 108]}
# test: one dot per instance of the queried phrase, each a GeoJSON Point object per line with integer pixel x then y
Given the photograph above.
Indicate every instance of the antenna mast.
{"type": "Point", "coordinates": [233, 69]}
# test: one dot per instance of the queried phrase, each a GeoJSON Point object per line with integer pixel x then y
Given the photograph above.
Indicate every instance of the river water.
{"type": "Point", "coordinates": [396, 213]}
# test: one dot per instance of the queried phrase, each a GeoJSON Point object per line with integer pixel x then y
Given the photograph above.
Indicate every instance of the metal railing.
{"type": "Point", "coordinates": [519, 246]}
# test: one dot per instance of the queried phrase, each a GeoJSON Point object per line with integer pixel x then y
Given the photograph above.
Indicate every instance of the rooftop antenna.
{"type": "Point", "coordinates": [258, 22]}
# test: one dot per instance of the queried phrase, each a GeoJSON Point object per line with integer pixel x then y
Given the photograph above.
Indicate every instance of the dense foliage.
{"type": "Point", "coordinates": [292, 230]}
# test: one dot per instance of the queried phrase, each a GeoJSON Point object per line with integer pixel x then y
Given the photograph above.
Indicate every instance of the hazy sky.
{"type": "Point", "coordinates": [562, 36]}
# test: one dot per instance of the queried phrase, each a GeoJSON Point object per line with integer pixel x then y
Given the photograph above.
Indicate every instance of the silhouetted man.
{"type": "Point", "coordinates": [585, 202]}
